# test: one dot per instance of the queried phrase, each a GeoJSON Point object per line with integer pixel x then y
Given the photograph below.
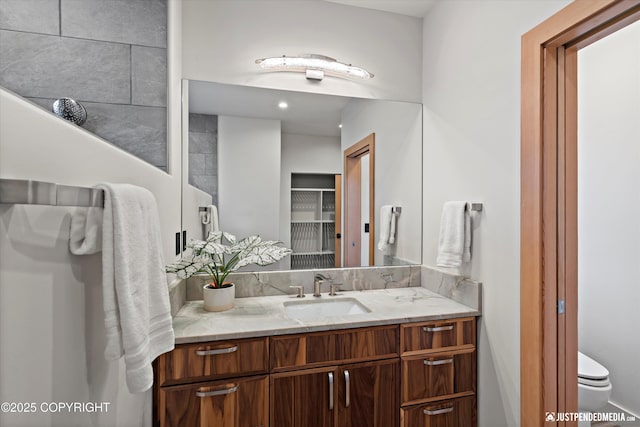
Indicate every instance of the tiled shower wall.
{"type": "Point", "coordinates": [203, 153]}
{"type": "Point", "coordinates": [108, 54]}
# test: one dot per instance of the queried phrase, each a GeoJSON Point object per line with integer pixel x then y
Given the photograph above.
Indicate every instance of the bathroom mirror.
{"type": "Point", "coordinates": [273, 162]}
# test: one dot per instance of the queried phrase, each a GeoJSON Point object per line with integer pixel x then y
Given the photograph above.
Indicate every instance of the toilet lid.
{"type": "Point", "coordinates": [594, 383]}
{"type": "Point", "coordinates": [590, 369]}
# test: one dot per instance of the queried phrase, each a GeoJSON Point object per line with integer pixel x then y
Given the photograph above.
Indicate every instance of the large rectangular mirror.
{"type": "Point", "coordinates": [336, 179]}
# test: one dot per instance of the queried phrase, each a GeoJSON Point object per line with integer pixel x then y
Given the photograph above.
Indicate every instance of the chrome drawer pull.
{"type": "Point", "coordinates": [347, 392]}
{"type": "Point", "coordinates": [438, 362]}
{"type": "Point", "coordinates": [331, 391]}
{"type": "Point", "coordinates": [437, 328]}
{"type": "Point", "coordinates": [217, 392]}
{"type": "Point", "coordinates": [217, 351]}
{"type": "Point", "coordinates": [438, 411]}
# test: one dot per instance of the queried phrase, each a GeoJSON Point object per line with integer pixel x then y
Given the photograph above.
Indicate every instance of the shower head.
{"type": "Point", "coordinates": [70, 109]}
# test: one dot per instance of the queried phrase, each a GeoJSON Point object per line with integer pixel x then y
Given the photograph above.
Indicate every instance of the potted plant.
{"type": "Point", "coordinates": [219, 259]}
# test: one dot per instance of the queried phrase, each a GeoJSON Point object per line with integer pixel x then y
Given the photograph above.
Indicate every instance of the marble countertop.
{"type": "Point", "coordinates": [265, 316]}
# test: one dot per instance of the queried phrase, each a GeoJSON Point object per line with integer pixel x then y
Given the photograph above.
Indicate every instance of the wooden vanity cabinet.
{"type": "Point", "coordinates": [439, 373]}
{"type": "Point", "coordinates": [411, 375]}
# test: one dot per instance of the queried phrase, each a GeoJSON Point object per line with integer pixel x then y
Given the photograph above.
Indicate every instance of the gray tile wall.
{"type": "Point", "coordinates": [203, 153]}
{"type": "Point", "coordinates": [108, 54]}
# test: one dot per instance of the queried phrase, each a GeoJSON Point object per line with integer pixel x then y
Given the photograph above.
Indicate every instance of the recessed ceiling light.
{"type": "Point", "coordinates": [283, 105]}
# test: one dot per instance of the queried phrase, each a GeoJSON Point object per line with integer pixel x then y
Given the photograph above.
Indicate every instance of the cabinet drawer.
{"type": "Point", "coordinates": [437, 376]}
{"type": "Point", "coordinates": [204, 361]}
{"type": "Point", "coordinates": [228, 403]}
{"type": "Point", "coordinates": [436, 336]}
{"type": "Point", "coordinates": [326, 348]}
{"type": "Point", "coordinates": [454, 412]}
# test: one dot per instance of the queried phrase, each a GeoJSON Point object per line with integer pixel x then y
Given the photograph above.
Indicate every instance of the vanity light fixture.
{"type": "Point", "coordinates": [283, 105]}
{"type": "Point", "coordinates": [314, 66]}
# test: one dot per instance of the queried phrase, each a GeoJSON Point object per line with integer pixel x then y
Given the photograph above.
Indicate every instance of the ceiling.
{"type": "Point", "coordinates": [418, 8]}
{"type": "Point", "coordinates": [307, 113]}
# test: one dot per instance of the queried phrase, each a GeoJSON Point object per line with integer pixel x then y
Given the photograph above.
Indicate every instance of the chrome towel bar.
{"type": "Point", "coordinates": [29, 192]}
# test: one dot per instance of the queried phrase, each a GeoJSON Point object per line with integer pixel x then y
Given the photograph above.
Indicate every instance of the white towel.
{"type": "Point", "coordinates": [136, 298]}
{"type": "Point", "coordinates": [85, 231]}
{"type": "Point", "coordinates": [385, 227]}
{"type": "Point", "coordinates": [214, 223]}
{"type": "Point", "coordinates": [454, 244]}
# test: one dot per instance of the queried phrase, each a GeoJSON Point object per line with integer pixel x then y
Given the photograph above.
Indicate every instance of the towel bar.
{"type": "Point", "coordinates": [475, 207]}
{"type": "Point", "coordinates": [29, 192]}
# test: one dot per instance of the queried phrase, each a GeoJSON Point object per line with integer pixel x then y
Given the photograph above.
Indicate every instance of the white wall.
{"type": "Point", "coordinates": [223, 38]}
{"type": "Point", "coordinates": [249, 176]}
{"type": "Point", "coordinates": [304, 154]}
{"type": "Point", "coordinates": [471, 96]}
{"type": "Point", "coordinates": [608, 206]}
{"type": "Point", "coordinates": [51, 322]}
{"type": "Point", "coordinates": [398, 153]}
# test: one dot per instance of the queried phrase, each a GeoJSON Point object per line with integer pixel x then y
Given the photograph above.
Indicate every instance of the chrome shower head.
{"type": "Point", "coordinates": [70, 109]}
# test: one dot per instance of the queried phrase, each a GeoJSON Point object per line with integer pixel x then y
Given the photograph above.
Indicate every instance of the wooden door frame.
{"type": "Point", "coordinates": [548, 233]}
{"type": "Point", "coordinates": [352, 157]}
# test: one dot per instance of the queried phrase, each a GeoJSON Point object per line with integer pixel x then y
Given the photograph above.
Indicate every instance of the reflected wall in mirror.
{"type": "Point", "coordinates": [273, 163]}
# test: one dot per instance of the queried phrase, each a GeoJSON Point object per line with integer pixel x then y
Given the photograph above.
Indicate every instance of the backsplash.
{"type": "Point", "coordinates": [458, 288]}
{"type": "Point", "coordinates": [110, 56]}
{"type": "Point", "coordinates": [270, 283]}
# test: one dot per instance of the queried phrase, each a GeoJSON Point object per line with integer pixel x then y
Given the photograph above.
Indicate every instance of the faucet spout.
{"type": "Point", "coordinates": [318, 279]}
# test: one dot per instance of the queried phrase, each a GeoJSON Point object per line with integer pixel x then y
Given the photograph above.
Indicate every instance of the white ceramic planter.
{"type": "Point", "coordinates": [218, 299]}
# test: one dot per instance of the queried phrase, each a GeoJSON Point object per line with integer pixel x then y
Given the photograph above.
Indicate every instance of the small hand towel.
{"type": "Point", "coordinates": [454, 243]}
{"type": "Point", "coordinates": [215, 223]}
{"type": "Point", "coordinates": [136, 298]}
{"type": "Point", "coordinates": [385, 227]}
{"type": "Point", "coordinates": [85, 231]}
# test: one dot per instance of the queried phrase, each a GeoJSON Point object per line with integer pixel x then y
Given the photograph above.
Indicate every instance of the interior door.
{"type": "Point", "coordinates": [353, 188]}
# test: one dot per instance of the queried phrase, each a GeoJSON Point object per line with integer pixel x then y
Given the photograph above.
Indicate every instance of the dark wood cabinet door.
{"type": "Point", "coordinates": [304, 398]}
{"type": "Point", "coordinates": [233, 403]}
{"type": "Point", "coordinates": [368, 394]}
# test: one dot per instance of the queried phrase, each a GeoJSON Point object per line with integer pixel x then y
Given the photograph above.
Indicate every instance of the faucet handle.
{"type": "Point", "coordinates": [333, 287]}
{"type": "Point", "coordinates": [300, 291]}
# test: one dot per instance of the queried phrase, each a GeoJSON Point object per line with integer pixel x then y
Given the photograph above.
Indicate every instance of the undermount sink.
{"type": "Point", "coordinates": [314, 309]}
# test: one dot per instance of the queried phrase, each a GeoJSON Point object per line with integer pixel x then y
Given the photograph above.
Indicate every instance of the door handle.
{"type": "Point", "coordinates": [437, 329]}
{"type": "Point", "coordinates": [437, 362]}
{"type": "Point", "coordinates": [217, 392]}
{"type": "Point", "coordinates": [347, 390]}
{"type": "Point", "coordinates": [331, 391]}
{"type": "Point", "coordinates": [217, 351]}
{"type": "Point", "coordinates": [438, 411]}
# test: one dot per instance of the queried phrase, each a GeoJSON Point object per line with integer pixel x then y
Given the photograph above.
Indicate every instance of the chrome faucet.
{"type": "Point", "coordinates": [318, 279]}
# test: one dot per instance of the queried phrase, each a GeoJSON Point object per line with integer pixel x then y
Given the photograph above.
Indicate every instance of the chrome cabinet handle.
{"type": "Point", "coordinates": [331, 391]}
{"type": "Point", "coordinates": [438, 411]}
{"type": "Point", "coordinates": [438, 362]}
{"type": "Point", "coordinates": [346, 389]}
{"type": "Point", "coordinates": [217, 392]}
{"type": "Point", "coordinates": [437, 328]}
{"type": "Point", "coordinates": [217, 351]}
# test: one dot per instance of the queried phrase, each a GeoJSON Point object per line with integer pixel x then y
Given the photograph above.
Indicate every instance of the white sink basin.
{"type": "Point", "coordinates": [319, 308]}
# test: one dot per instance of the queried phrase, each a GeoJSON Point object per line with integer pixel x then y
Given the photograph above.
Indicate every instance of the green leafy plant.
{"type": "Point", "coordinates": [218, 260]}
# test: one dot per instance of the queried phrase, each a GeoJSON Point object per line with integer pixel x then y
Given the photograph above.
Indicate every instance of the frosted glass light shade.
{"type": "Point", "coordinates": [303, 63]}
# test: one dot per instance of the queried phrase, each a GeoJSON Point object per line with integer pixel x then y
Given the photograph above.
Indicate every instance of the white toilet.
{"type": "Point", "coordinates": [594, 387]}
